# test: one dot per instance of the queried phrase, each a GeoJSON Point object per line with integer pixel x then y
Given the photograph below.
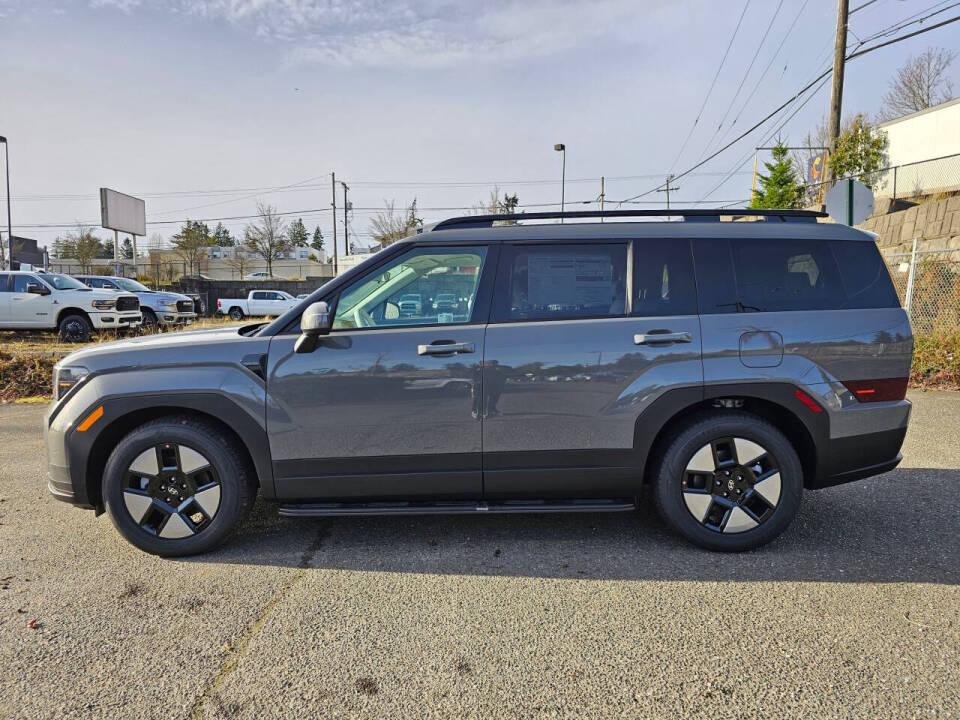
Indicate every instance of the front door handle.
{"type": "Point", "coordinates": [654, 337]}
{"type": "Point", "coordinates": [445, 348]}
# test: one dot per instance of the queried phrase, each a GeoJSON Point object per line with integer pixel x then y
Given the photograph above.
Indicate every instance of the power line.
{"type": "Point", "coordinates": [712, 84]}
{"type": "Point", "coordinates": [753, 60]}
{"type": "Point", "coordinates": [788, 102]}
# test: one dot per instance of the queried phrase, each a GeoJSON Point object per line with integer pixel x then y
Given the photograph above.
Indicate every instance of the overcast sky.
{"type": "Point", "coordinates": [438, 100]}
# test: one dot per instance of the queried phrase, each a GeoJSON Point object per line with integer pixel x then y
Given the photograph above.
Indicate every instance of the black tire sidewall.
{"type": "Point", "coordinates": [673, 463]}
{"type": "Point", "coordinates": [235, 314]}
{"type": "Point", "coordinates": [205, 441]}
{"type": "Point", "coordinates": [74, 317]}
{"type": "Point", "coordinates": [150, 320]}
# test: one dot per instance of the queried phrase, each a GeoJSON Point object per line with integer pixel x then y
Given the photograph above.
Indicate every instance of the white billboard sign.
{"type": "Point", "coordinates": [123, 213]}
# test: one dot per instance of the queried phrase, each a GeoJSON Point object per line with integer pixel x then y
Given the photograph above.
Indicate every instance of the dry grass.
{"type": "Point", "coordinates": [27, 358]}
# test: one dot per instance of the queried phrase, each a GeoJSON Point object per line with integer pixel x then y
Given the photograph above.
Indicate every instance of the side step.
{"type": "Point", "coordinates": [455, 508]}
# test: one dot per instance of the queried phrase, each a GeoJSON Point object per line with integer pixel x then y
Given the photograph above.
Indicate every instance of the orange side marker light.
{"type": "Point", "coordinates": [90, 419]}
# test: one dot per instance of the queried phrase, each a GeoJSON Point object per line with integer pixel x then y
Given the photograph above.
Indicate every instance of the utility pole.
{"type": "Point", "coordinates": [666, 188]}
{"type": "Point", "coordinates": [602, 196]}
{"type": "Point", "coordinates": [333, 186]}
{"type": "Point", "coordinates": [346, 220]}
{"type": "Point", "coordinates": [836, 92]}
{"type": "Point", "coordinates": [6, 150]}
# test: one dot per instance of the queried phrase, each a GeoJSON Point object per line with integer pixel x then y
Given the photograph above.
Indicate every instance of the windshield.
{"type": "Point", "coordinates": [131, 285]}
{"type": "Point", "coordinates": [63, 282]}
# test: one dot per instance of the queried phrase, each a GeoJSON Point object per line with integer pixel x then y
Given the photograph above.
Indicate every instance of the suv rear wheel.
{"type": "Point", "coordinates": [177, 486]}
{"type": "Point", "coordinates": [729, 481]}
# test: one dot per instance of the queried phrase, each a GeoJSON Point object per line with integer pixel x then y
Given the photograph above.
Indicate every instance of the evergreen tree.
{"type": "Point", "coordinates": [780, 187]}
{"type": "Point", "coordinates": [298, 234]}
{"type": "Point", "coordinates": [317, 243]}
{"type": "Point", "coordinates": [859, 151]}
{"type": "Point", "coordinates": [126, 249]}
{"type": "Point", "coordinates": [222, 237]}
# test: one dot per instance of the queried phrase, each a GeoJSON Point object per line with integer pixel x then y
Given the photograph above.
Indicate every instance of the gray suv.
{"type": "Point", "coordinates": [726, 365]}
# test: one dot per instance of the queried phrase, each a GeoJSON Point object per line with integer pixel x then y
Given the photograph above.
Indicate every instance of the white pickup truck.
{"type": "Point", "coordinates": [51, 301]}
{"type": "Point", "coordinates": [259, 303]}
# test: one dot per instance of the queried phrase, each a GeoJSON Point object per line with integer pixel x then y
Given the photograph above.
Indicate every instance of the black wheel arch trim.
{"type": "Point", "coordinates": [80, 446]}
{"type": "Point", "coordinates": [674, 404]}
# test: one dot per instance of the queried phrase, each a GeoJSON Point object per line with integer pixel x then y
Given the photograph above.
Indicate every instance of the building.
{"type": "Point", "coordinates": [923, 153]}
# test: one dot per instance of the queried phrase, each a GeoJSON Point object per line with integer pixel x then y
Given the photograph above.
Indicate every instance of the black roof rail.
{"type": "Point", "coordinates": [480, 221]}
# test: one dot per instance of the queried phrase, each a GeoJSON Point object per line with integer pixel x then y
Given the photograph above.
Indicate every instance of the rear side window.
{"type": "Point", "coordinates": [663, 278]}
{"type": "Point", "coordinates": [790, 275]}
{"type": "Point", "coordinates": [260, 296]}
{"type": "Point", "coordinates": [3, 282]}
{"type": "Point", "coordinates": [561, 282]}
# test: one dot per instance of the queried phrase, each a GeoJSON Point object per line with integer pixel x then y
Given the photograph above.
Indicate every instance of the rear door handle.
{"type": "Point", "coordinates": [441, 348]}
{"type": "Point", "coordinates": [653, 338]}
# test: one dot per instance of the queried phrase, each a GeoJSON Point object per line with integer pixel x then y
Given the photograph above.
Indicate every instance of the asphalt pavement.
{"type": "Point", "coordinates": [854, 612]}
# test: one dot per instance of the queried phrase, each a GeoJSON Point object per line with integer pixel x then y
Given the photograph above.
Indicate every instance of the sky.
{"type": "Point", "coordinates": [205, 107]}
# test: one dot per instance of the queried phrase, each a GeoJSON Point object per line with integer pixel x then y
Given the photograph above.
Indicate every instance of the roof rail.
{"type": "Point", "coordinates": [479, 221]}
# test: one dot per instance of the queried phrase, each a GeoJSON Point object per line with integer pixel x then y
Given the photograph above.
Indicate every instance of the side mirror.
{"type": "Point", "coordinates": [314, 323]}
{"type": "Point", "coordinates": [37, 289]}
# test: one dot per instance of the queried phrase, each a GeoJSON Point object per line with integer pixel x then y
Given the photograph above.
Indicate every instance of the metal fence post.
{"type": "Point", "coordinates": [910, 277]}
{"type": "Point", "coordinates": [894, 182]}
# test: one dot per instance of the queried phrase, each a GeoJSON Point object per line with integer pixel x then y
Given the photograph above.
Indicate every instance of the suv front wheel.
{"type": "Point", "coordinates": [177, 486]}
{"type": "Point", "coordinates": [729, 481]}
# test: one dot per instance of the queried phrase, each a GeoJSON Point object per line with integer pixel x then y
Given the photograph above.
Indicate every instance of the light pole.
{"type": "Point", "coordinates": [6, 150]}
{"type": "Point", "coordinates": [561, 148]}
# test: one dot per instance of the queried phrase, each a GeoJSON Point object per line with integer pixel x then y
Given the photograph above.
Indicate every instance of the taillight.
{"type": "Point", "coordinates": [218, 303]}
{"type": "Point", "coordinates": [877, 390]}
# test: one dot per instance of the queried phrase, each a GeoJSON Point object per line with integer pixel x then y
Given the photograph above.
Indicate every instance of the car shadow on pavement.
{"type": "Point", "coordinates": [903, 526]}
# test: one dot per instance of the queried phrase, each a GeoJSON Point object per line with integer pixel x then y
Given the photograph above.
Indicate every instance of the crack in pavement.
{"type": "Point", "coordinates": [237, 651]}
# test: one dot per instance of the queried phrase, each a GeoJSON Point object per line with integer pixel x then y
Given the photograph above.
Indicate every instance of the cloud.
{"type": "Point", "coordinates": [426, 33]}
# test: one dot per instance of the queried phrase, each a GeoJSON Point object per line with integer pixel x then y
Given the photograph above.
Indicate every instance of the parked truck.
{"type": "Point", "coordinates": [259, 303]}
{"type": "Point", "coordinates": [158, 307]}
{"type": "Point", "coordinates": [51, 301]}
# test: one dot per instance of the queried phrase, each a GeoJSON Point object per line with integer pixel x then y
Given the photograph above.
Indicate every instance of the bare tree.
{"type": "Point", "coordinates": [240, 261]}
{"type": "Point", "coordinates": [390, 225]}
{"type": "Point", "coordinates": [267, 237]}
{"type": "Point", "coordinates": [920, 83]}
{"type": "Point", "coordinates": [83, 246]}
{"type": "Point", "coordinates": [495, 205]}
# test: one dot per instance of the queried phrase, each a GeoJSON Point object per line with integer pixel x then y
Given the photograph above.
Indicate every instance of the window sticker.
{"type": "Point", "coordinates": [569, 280]}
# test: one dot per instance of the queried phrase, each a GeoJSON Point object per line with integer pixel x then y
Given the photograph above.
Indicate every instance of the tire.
{"type": "Point", "coordinates": [236, 313]}
{"type": "Point", "coordinates": [208, 502]}
{"type": "Point", "coordinates": [150, 322]}
{"type": "Point", "coordinates": [719, 500]}
{"type": "Point", "coordinates": [75, 328]}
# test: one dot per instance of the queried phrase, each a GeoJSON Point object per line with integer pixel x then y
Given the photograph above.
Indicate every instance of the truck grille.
{"type": "Point", "coordinates": [185, 306]}
{"type": "Point", "coordinates": [127, 303]}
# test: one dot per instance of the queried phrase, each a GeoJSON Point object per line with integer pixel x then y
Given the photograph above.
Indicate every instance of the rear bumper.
{"type": "Point", "coordinates": [860, 456]}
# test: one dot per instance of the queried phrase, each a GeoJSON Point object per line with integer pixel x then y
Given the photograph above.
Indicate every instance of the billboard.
{"type": "Point", "coordinates": [123, 213]}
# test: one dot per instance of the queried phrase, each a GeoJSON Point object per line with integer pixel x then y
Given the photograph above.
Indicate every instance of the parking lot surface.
{"type": "Point", "coordinates": [853, 612]}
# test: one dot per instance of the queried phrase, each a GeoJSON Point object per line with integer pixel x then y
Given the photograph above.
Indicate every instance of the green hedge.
{"type": "Point", "coordinates": [936, 360]}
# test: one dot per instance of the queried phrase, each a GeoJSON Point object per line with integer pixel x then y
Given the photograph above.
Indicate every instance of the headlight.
{"type": "Point", "coordinates": [168, 304]}
{"type": "Point", "coordinates": [65, 378]}
{"type": "Point", "coordinates": [104, 304]}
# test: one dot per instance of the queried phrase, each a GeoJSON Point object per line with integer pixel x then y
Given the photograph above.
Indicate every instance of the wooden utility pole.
{"type": "Point", "coordinates": [667, 188]}
{"type": "Point", "coordinates": [836, 92]}
{"type": "Point", "coordinates": [346, 220]}
{"type": "Point", "coordinates": [333, 186]}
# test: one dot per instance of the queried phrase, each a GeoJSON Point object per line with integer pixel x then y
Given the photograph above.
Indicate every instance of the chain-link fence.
{"type": "Point", "coordinates": [928, 283]}
{"type": "Point", "coordinates": [912, 182]}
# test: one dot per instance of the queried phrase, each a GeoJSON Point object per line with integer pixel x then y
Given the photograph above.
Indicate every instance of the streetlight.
{"type": "Point", "coordinates": [561, 148]}
{"type": "Point", "coordinates": [6, 150]}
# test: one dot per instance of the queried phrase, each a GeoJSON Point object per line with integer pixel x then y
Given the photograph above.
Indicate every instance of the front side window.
{"type": "Point", "coordinates": [3, 282]}
{"type": "Point", "coordinates": [424, 286]}
{"type": "Point", "coordinates": [20, 282]}
{"type": "Point", "coordinates": [561, 282]}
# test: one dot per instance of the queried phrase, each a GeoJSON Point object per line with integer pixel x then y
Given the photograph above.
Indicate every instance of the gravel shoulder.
{"type": "Point", "coordinates": [854, 612]}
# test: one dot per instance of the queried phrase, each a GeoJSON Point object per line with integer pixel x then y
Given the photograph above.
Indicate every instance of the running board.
{"type": "Point", "coordinates": [455, 508]}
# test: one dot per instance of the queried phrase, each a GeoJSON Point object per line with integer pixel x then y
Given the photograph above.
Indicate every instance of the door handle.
{"type": "Point", "coordinates": [652, 338]}
{"type": "Point", "coordinates": [445, 349]}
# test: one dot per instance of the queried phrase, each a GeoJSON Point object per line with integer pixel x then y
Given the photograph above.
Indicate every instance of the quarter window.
{"type": "Point", "coordinates": [425, 286]}
{"type": "Point", "coordinates": [561, 282]}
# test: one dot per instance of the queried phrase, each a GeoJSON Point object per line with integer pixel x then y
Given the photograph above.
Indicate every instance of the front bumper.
{"type": "Point", "coordinates": [166, 317]}
{"type": "Point", "coordinates": [114, 320]}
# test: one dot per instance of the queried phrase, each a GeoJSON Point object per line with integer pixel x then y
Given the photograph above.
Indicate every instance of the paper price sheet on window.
{"type": "Point", "coordinates": [569, 280]}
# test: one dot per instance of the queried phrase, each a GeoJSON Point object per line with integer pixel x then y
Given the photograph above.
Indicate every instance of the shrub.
{"type": "Point", "coordinates": [936, 360]}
